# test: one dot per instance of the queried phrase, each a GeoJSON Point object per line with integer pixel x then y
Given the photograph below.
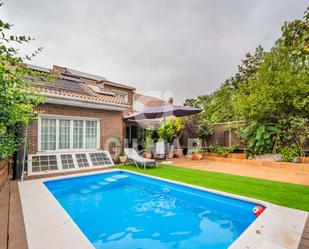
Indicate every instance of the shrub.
{"type": "Point", "coordinates": [221, 149]}
{"type": "Point", "coordinates": [260, 137]}
{"type": "Point", "coordinates": [289, 153]}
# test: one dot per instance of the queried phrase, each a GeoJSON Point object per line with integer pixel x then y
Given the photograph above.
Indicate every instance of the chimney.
{"type": "Point", "coordinates": [170, 100]}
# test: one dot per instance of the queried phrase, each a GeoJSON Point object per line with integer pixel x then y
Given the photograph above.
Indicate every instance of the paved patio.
{"type": "Point", "coordinates": [292, 173]}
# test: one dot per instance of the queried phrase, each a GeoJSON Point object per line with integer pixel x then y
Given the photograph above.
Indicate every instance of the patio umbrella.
{"type": "Point", "coordinates": [164, 111]}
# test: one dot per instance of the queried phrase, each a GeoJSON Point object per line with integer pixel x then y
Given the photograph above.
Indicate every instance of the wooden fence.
{"type": "Point", "coordinates": [225, 137]}
{"type": "Point", "coordinates": [4, 172]}
{"type": "Point", "coordinates": [221, 135]}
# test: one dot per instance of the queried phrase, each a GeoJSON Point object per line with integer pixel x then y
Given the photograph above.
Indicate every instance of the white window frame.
{"type": "Point", "coordinates": [58, 132]}
{"type": "Point", "coordinates": [71, 118]}
{"type": "Point", "coordinates": [39, 136]}
{"type": "Point", "coordinates": [60, 168]}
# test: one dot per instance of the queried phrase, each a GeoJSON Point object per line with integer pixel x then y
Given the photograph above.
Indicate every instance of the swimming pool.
{"type": "Point", "coordinates": [118, 210]}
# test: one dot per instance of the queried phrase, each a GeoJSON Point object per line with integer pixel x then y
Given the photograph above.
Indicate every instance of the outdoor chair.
{"type": "Point", "coordinates": [139, 160]}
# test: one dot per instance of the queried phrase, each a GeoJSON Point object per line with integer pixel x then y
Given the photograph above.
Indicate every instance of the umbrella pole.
{"type": "Point", "coordinates": [165, 142]}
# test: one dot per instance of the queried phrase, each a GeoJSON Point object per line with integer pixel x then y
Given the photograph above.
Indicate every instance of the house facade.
{"type": "Point", "coordinates": [80, 124]}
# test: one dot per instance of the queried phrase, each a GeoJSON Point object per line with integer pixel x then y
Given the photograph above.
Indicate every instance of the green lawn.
{"type": "Point", "coordinates": [285, 194]}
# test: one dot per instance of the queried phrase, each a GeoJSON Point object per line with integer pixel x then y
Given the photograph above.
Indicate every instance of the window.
{"type": "Point", "coordinates": [44, 163]}
{"type": "Point", "coordinates": [91, 134]}
{"type": "Point", "coordinates": [123, 95]}
{"type": "Point", "coordinates": [78, 132]}
{"type": "Point", "coordinates": [67, 161]}
{"type": "Point", "coordinates": [65, 134]}
{"type": "Point", "coordinates": [48, 134]}
{"type": "Point", "coordinates": [82, 161]}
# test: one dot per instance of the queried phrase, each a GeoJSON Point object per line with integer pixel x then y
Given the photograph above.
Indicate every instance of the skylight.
{"type": "Point", "coordinates": [101, 90]}
{"type": "Point", "coordinates": [60, 162]}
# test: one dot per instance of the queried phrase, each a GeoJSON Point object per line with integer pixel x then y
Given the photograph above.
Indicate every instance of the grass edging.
{"type": "Point", "coordinates": [280, 193]}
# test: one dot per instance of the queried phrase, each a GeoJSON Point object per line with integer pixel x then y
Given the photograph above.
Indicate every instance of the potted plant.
{"type": "Point", "coordinates": [148, 145]}
{"type": "Point", "coordinates": [122, 157]}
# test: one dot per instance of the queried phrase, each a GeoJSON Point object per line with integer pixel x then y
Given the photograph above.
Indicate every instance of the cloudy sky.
{"type": "Point", "coordinates": [161, 47]}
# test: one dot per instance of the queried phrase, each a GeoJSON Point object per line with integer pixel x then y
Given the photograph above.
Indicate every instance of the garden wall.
{"type": "Point", "coordinates": [4, 172]}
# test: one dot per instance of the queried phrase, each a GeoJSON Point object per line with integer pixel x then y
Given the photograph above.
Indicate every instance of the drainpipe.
{"type": "Point", "coordinates": [165, 141]}
{"type": "Point", "coordinates": [24, 154]}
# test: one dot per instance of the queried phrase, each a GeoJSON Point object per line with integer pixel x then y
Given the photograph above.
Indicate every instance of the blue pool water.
{"type": "Point", "coordinates": [121, 210]}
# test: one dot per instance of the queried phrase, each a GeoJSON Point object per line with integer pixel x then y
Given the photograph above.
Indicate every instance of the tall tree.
{"type": "Point", "coordinates": [276, 98]}
{"type": "Point", "coordinates": [17, 97]}
{"type": "Point", "coordinates": [280, 86]}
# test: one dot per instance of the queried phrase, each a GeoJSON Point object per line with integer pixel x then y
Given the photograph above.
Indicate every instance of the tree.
{"type": "Point", "coordinates": [278, 94]}
{"type": "Point", "coordinates": [171, 130]}
{"type": "Point", "coordinates": [247, 69]}
{"type": "Point", "coordinates": [17, 97]}
{"type": "Point", "coordinates": [270, 92]}
{"type": "Point", "coordinates": [280, 87]}
{"type": "Point", "coordinates": [204, 130]}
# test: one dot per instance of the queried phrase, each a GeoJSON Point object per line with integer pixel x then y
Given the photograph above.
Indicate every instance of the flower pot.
{"type": "Point", "coordinates": [148, 155]}
{"type": "Point", "coordinates": [179, 153]}
{"type": "Point", "coordinates": [170, 155]}
{"type": "Point", "coordinates": [197, 156]}
{"type": "Point", "coordinates": [123, 159]}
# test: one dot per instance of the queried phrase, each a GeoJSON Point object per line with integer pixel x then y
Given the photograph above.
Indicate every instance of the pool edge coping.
{"type": "Point", "coordinates": [260, 234]}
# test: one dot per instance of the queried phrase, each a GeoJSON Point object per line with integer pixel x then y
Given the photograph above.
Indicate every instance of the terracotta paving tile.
{"type": "Point", "coordinates": [288, 172]}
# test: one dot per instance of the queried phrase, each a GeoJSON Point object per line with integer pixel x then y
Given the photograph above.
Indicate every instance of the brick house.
{"type": "Point", "coordinates": [80, 123]}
